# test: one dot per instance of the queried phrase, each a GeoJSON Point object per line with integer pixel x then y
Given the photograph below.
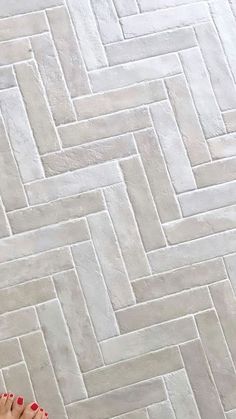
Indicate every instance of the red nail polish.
{"type": "Point", "coordinates": [20, 401]}
{"type": "Point", "coordinates": [11, 395]}
{"type": "Point", "coordinates": [46, 414]}
{"type": "Point", "coordinates": [34, 406]}
{"type": "Point", "coordinates": [5, 394]}
{"type": "Point", "coordinates": [41, 410]}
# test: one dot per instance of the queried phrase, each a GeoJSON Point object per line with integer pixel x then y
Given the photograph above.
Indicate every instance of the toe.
{"type": "Point", "coordinates": [3, 400]}
{"type": "Point", "coordinates": [9, 401]}
{"type": "Point", "coordinates": [40, 414]}
{"type": "Point", "coordinates": [30, 411]}
{"type": "Point", "coordinates": [18, 407]}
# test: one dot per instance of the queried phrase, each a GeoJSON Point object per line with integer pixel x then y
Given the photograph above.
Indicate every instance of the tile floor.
{"type": "Point", "coordinates": [118, 207]}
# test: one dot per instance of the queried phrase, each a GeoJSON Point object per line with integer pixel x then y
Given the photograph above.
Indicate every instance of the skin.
{"type": "Point", "coordinates": [13, 407]}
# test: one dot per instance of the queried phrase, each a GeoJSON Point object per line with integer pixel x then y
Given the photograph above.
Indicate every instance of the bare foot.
{"type": "Point", "coordinates": [33, 411]}
{"type": "Point", "coordinates": [11, 407]}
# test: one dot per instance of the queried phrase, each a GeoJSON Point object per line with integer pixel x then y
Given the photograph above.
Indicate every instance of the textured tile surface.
{"type": "Point", "coordinates": [118, 207]}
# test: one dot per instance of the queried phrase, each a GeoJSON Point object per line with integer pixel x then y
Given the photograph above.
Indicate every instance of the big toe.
{"type": "Point", "coordinates": [30, 411]}
{"type": "Point", "coordinates": [18, 407]}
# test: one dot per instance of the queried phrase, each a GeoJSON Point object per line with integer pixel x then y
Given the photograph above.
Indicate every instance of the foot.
{"type": "Point", "coordinates": [33, 411]}
{"type": "Point", "coordinates": [11, 407]}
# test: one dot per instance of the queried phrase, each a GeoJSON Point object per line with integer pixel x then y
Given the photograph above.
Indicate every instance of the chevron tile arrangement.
{"type": "Point", "coordinates": [118, 207]}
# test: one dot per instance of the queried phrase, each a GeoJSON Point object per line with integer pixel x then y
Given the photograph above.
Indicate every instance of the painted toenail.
{"type": "Point", "coordinates": [34, 406]}
{"type": "Point", "coordinates": [46, 414]}
{"type": "Point", "coordinates": [5, 394]}
{"type": "Point", "coordinates": [20, 401]}
{"type": "Point", "coordinates": [11, 395]}
{"type": "Point", "coordinates": [41, 410]}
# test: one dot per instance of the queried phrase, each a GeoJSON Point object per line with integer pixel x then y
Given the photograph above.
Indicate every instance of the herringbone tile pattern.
{"type": "Point", "coordinates": [118, 207]}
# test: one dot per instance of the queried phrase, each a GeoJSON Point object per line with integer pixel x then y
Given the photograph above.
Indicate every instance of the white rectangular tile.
{"type": "Point", "coordinates": [161, 20]}
{"type": "Point", "coordinates": [67, 46]}
{"type": "Point", "coordinates": [127, 232]}
{"type": "Point", "coordinates": [73, 183]}
{"type": "Point", "coordinates": [134, 72]}
{"type": "Point", "coordinates": [148, 339]}
{"type": "Point", "coordinates": [87, 34]}
{"type": "Point", "coordinates": [201, 88]}
{"type": "Point", "coordinates": [93, 285]}
{"type": "Point", "coordinates": [173, 147]}
{"type": "Point", "coordinates": [20, 135]}
{"type": "Point", "coordinates": [53, 80]}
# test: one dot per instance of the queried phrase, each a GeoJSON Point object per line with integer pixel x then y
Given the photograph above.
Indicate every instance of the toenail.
{"type": "Point", "coordinates": [41, 410]}
{"type": "Point", "coordinates": [11, 395]}
{"type": "Point", "coordinates": [46, 414]}
{"type": "Point", "coordinates": [34, 406]}
{"type": "Point", "coordinates": [20, 401]}
{"type": "Point", "coordinates": [5, 394]}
